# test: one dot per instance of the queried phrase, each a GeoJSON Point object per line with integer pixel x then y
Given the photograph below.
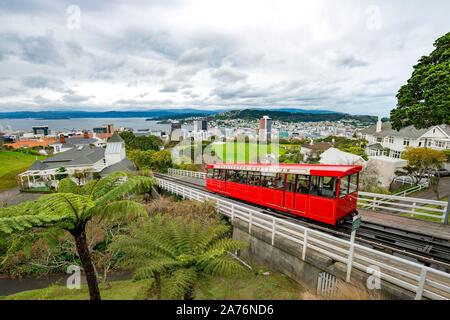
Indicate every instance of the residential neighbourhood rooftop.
{"type": "Point", "coordinates": [84, 155]}
{"type": "Point", "coordinates": [408, 132]}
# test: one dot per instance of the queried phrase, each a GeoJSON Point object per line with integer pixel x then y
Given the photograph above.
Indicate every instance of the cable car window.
{"type": "Point", "coordinates": [272, 180]}
{"type": "Point", "coordinates": [343, 189]}
{"type": "Point", "coordinates": [210, 173]}
{"type": "Point", "coordinates": [353, 183]}
{"type": "Point", "coordinates": [231, 175]}
{"type": "Point", "coordinates": [303, 184]}
{"type": "Point", "coordinates": [254, 178]}
{"type": "Point", "coordinates": [267, 179]}
{"type": "Point", "coordinates": [290, 182]}
{"type": "Point", "coordinates": [323, 186]}
{"type": "Point", "coordinates": [240, 177]}
{"type": "Point", "coordinates": [219, 174]}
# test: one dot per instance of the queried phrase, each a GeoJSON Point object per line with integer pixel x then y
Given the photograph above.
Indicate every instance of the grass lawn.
{"type": "Point", "coordinates": [11, 164]}
{"type": "Point", "coordinates": [249, 286]}
{"type": "Point", "coordinates": [244, 152]}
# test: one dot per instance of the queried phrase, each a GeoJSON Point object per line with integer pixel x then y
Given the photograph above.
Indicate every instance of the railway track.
{"type": "Point", "coordinates": [423, 248]}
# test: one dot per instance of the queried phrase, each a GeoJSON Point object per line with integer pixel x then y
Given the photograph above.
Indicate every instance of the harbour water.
{"type": "Point", "coordinates": [82, 124]}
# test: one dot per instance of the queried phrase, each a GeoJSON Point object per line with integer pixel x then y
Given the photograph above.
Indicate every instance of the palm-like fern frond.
{"type": "Point", "coordinates": [62, 208]}
{"type": "Point", "coordinates": [122, 187]}
{"type": "Point", "coordinates": [179, 250]}
{"type": "Point", "coordinates": [180, 282]}
{"type": "Point", "coordinates": [156, 265]}
{"type": "Point", "coordinates": [223, 265]}
{"type": "Point", "coordinates": [117, 209]}
{"type": "Point", "coordinates": [67, 185]}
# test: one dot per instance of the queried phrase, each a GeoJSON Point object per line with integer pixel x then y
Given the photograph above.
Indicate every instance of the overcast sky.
{"type": "Point", "coordinates": [349, 56]}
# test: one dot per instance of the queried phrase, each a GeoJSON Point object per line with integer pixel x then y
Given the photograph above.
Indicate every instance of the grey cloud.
{"type": "Point", "coordinates": [171, 87]}
{"type": "Point", "coordinates": [74, 98]}
{"type": "Point", "coordinates": [40, 82]}
{"type": "Point", "coordinates": [227, 74]}
{"type": "Point", "coordinates": [350, 61]}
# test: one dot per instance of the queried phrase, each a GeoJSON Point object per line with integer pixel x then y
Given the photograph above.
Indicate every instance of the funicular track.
{"type": "Point", "coordinates": [423, 248]}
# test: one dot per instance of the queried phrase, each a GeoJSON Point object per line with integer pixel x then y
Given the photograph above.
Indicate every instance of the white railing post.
{"type": "Point", "coordinates": [273, 230]}
{"type": "Point", "coordinates": [419, 293]}
{"type": "Point", "coordinates": [413, 209]}
{"type": "Point", "coordinates": [305, 243]}
{"type": "Point", "coordinates": [373, 203]}
{"type": "Point", "coordinates": [350, 255]}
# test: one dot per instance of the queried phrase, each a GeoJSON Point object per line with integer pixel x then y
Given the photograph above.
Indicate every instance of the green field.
{"type": "Point", "coordinates": [245, 152]}
{"type": "Point", "coordinates": [249, 286]}
{"type": "Point", "coordinates": [11, 164]}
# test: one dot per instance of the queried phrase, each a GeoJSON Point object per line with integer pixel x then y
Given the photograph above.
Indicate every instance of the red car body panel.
{"type": "Point", "coordinates": [326, 209]}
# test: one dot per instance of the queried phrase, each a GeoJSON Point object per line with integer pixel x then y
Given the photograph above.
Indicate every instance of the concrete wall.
{"type": "Point", "coordinates": [286, 257]}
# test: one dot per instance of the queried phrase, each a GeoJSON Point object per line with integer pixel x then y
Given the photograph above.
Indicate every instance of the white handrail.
{"type": "Point", "coordinates": [423, 281]}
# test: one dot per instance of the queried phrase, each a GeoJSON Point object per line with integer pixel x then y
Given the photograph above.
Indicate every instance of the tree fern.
{"type": "Point", "coordinates": [179, 251]}
{"type": "Point", "coordinates": [72, 207]}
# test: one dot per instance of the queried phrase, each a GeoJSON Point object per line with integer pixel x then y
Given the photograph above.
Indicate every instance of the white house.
{"type": "Point", "coordinates": [336, 156]}
{"type": "Point", "coordinates": [88, 159]}
{"type": "Point", "coordinates": [385, 141]}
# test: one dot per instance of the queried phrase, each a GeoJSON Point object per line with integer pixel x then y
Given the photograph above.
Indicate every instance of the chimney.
{"type": "Point", "coordinates": [379, 123]}
{"type": "Point", "coordinates": [62, 139]}
{"type": "Point", "coordinates": [86, 135]}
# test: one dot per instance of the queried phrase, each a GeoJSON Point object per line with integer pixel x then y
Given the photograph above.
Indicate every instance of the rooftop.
{"type": "Point", "coordinates": [85, 155]}
{"type": "Point", "coordinates": [408, 132]}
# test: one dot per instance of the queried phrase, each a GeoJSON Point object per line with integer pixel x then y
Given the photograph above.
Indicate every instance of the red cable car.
{"type": "Point", "coordinates": [325, 193]}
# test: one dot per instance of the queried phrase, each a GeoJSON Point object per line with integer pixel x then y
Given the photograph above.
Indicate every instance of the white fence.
{"type": "Point", "coordinates": [326, 285]}
{"type": "Point", "coordinates": [423, 281]}
{"type": "Point", "coordinates": [187, 173]}
{"type": "Point", "coordinates": [413, 189]}
{"type": "Point", "coordinates": [414, 207]}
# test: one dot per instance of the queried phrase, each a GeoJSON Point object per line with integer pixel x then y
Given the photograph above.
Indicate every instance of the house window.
{"type": "Point", "coordinates": [379, 139]}
{"type": "Point", "coordinates": [390, 139]}
{"type": "Point", "coordinates": [395, 154]}
{"type": "Point", "coordinates": [440, 144]}
{"type": "Point", "coordinates": [406, 142]}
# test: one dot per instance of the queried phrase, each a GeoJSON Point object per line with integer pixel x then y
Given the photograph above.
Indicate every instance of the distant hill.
{"type": "Point", "coordinates": [154, 113]}
{"type": "Point", "coordinates": [282, 114]}
{"type": "Point", "coordinates": [287, 116]}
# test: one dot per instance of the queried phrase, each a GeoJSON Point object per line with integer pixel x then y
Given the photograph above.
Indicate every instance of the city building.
{"type": "Point", "coordinates": [176, 134]}
{"type": "Point", "coordinates": [265, 128]}
{"type": "Point", "coordinates": [85, 158]}
{"type": "Point", "coordinates": [107, 128]}
{"type": "Point", "coordinates": [41, 130]}
{"type": "Point", "coordinates": [200, 125]}
{"type": "Point", "coordinates": [385, 141]}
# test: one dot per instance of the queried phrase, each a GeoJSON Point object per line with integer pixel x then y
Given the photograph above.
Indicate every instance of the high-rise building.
{"type": "Point", "coordinates": [200, 125]}
{"type": "Point", "coordinates": [265, 128]}
{"type": "Point", "coordinates": [41, 130]}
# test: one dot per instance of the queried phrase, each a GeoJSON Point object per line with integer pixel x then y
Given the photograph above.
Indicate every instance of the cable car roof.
{"type": "Point", "coordinates": [308, 169]}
